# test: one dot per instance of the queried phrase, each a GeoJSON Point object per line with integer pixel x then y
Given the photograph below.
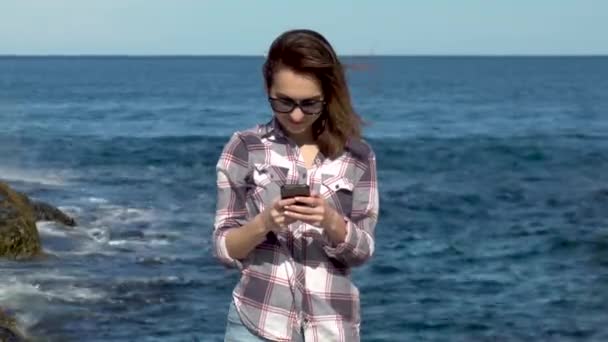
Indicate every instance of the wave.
{"type": "Point", "coordinates": [103, 227]}
{"type": "Point", "coordinates": [17, 290]}
{"type": "Point", "coordinates": [27, 297]}
{"type": "Point", "coordinates": [49, 178]}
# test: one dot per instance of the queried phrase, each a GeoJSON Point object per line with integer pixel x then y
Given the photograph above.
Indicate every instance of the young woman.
{"type": "Point", "coordinates": [295, 254]}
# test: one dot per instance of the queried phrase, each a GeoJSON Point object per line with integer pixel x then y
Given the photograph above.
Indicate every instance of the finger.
{"type": "Point", "coordinates": [279, 224]}
{"type": "Point", "coordinates": [275, 201]}
{"type": "Point", "coordinates": [303, 209]}
{"type": "Point", "coordinates": [282, 203]}
{"type": "Point", "coordinates": [296, 216]}
{"type": "Point", "coordinates": [309, 219]}
{"type": "Point", "coordinates": [286, 220]}
{"type": "Point", "coordinates": [312, 201]}
{"type": "Point", "coordinates": [277, 216]}
{"type": "Point", "coordinates": [301, 217]}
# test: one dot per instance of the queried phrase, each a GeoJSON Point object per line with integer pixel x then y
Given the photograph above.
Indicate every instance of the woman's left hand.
{"type": "Point", "coordinates": [313, 210]}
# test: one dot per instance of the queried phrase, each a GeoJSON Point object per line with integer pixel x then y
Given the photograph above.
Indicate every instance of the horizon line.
{"type": "Point", "coordinates": [137, 55]}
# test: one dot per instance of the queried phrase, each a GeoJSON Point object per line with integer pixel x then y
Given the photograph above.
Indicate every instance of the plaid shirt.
{"type": "Point", "coordinates": [296, 280]}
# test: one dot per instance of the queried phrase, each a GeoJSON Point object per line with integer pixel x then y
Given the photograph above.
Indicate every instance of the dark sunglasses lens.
{"type": "Point", "coordinates": [312, 107]}
{"type": "Point", "coordinates": [282, 106]}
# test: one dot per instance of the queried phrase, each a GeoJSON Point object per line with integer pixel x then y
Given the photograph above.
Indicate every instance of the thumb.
{"type": "Point", "coordinates": [276, 203]}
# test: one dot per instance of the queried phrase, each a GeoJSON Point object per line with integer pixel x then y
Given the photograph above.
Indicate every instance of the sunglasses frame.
{"type": "Point", "coordinates": [295, 104]}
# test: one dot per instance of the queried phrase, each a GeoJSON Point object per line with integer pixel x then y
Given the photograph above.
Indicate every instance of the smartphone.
{"type": "Point", "coordinates": [293, 190]}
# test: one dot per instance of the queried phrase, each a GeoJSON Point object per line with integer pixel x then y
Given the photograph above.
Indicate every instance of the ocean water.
{"type": "Point", "coordinates": [494, 195]}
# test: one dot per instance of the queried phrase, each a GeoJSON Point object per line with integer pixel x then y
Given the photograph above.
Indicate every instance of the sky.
{"type": "Point", "coordinates": [354, 27]}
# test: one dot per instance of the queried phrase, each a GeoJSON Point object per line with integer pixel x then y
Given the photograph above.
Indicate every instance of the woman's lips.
{"type": "Point", "coordinates": [296, 123]}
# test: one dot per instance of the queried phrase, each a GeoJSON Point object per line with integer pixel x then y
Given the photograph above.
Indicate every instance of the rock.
{"type": "Point", "coordinates": [18, 215]}
{"type": "Point", "coordinates": [46, 212]}
{"type": "Point", "coordinates": [19, 237]}
{"type": "Point", "coordinates": [8, 329]}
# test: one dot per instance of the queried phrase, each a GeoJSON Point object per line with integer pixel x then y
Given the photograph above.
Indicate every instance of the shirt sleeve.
{"type": "Point", "coordinates": [231, 212]}
{"type": "Point", "coordinates": [358, 245]}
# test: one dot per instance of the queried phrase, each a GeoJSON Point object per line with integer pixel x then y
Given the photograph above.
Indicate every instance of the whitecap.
{"type": "Point", "coordinates": [51, 178]}
{"type": "Point", "coordinates": [15, 292]}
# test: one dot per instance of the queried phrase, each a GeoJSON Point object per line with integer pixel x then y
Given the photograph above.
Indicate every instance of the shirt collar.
{"type": "Point", "coordinates": [272, 129]}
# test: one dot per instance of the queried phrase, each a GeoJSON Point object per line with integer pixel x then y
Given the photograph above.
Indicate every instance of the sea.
{"type": "Point", "coordinates": [493, 175]}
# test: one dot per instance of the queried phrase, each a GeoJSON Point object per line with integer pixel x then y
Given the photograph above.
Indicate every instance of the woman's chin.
{"type": "Point", "coordinates": [296, 129]}
{"type": "Point", "coordinates": [298, 132]}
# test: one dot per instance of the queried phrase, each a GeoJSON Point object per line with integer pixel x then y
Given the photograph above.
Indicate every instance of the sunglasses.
{"type": "Point", "coordinates": [287, 105]}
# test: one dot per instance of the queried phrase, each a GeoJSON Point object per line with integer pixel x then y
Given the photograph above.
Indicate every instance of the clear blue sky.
{"type": "Point", "coordinates": [246, 27]}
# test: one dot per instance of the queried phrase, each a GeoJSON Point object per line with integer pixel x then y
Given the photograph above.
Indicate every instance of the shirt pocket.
{"type": "Point", "coordinates": [267, 181]}
{"type": "Point", "coordinates": [265, 174]}
{"type": "Point", "coordinates": [338, 190]}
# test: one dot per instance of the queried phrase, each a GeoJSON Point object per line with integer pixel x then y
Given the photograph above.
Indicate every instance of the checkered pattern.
{"type": "Point", "coordinates": [296, 280]}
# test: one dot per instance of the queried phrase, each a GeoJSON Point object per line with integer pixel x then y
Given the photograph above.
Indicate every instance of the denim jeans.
{"type": "Point", "coordinates": [236, 331]}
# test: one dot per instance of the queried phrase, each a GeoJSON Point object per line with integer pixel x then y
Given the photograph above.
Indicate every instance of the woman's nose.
{"type": "Point", "coordinates": [297, 115]}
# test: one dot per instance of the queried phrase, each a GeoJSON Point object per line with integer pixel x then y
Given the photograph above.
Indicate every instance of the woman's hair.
{"type": "Point", "coordinates": [309, 53]}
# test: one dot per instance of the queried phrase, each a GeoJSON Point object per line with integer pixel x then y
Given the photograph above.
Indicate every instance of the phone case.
{"type": "Point", "coordinates": [293, 190]}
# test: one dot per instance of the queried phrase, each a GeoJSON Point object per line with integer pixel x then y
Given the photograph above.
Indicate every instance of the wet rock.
{"type": "Point", "coordinates": [19, 237]}
{"type": "Point", "coordinates": [8, 329]}
{"type": "Point", "coordinates": [46, 212]}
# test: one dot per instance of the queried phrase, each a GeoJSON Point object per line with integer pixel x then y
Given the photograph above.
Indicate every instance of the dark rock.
{"type": "Point", "coordinates": [46, 212]}
{"type": "Point", "coordinates": [19, 237]}
{"type": "Point", "coordinates": [8, 329]}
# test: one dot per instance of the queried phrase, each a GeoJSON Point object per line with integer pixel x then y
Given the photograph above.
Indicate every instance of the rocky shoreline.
{"type": "Point", "coordinates": [19, 239]}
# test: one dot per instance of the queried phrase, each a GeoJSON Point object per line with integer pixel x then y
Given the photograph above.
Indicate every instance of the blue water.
{"type": "Point", "coordinates": [493, 176]}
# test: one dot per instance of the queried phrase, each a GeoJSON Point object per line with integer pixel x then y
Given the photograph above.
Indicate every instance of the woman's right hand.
{"type": "Point", "coordinates": [274, 218]}
{"type": "Point", "coordinates": [240, 242]}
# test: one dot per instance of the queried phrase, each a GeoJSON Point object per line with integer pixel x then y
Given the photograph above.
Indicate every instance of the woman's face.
{"type": "Point", "coordinates": [290, 88]}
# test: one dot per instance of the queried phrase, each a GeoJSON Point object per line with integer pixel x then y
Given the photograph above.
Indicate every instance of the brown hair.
{"type": "Point", "coordinates": [308, 52]}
